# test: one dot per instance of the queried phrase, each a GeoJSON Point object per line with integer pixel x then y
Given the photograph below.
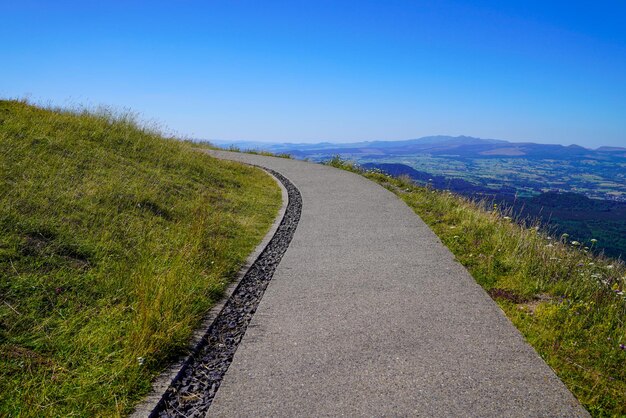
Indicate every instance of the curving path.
{"type": "Point", "coordinates": [368, 314]}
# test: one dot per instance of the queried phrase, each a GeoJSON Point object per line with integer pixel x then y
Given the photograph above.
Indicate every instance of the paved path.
{"type": "Point", "coordinates": [368, 314]}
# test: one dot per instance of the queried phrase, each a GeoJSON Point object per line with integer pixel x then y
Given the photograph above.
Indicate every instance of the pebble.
{"type": "Point", "coordinates": [192, 392]}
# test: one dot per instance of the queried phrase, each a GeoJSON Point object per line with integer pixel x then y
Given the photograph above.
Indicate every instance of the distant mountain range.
{"type": "Point", "coordinates": [450, 146]}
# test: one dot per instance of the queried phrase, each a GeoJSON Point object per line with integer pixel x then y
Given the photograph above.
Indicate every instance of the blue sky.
{"type": "Point", "coordinates": [320, 70]}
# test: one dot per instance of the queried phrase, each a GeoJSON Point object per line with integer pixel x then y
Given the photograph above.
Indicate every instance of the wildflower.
{"type": "Point", "coordinates": [610, 266]}
{"type": "Point", "coordinates": [591, 264]}
{"type": "Point", "coordinates": [593, 240]}
{"type": "Point", "coordinates": [141, 360]}
{"type": "Point", "coordinates": [622, 347]}
{"type": "Point", "coordinates": [549, 245]}
{"type": "Point", "coordinates": [565, 235]}
{"type": "Point", "coordinates": [575, 243]}
{"type": "Point", "coordinates": [455, 237]}
{"type": "Point", "coordinates": [507, 218]}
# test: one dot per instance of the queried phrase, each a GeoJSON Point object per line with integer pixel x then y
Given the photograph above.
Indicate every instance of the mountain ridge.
{"type": "Point", "coordinates": [438, 140]}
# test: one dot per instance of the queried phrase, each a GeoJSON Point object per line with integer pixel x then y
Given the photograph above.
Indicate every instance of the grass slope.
{"type": "Point", "coordinates": [114, 241]}
{"type": "Point", "coordinates": [569, 304]}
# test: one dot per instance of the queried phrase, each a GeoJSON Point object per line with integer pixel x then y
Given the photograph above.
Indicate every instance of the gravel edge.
{"type": "Point", "coordinates": [188, 387]}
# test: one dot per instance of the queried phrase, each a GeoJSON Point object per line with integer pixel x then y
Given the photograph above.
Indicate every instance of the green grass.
{"type": "Point", "coordinates": [114, 241]}
{"type": "Point", "coordinates": [569, 303]}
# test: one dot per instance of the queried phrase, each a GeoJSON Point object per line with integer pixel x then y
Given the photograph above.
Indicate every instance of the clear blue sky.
{"type": "Point", "coordinates": [542, 71]}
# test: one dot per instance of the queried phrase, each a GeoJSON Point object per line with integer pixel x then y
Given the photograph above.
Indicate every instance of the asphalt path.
{"type": "Point", "coordinates": [368, 314]}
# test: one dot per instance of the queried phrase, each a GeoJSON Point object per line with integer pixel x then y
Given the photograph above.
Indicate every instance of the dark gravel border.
{"type": "Point", "coordinates": [192, 390]}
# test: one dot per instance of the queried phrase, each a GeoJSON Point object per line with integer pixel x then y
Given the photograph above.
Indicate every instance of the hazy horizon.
{"type": "Point", "coordinates": [331, 71]}
{"type": "Point", "coordinates": [313, 142]}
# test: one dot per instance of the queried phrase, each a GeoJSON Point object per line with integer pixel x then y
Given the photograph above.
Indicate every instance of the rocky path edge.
{"type": "Point", "coordinates": [160, 385]}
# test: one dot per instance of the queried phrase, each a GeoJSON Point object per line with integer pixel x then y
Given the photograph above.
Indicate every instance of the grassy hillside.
{"type": "Point", "coordinates": [113, 243]}
{"type": "Point", "coordinates": [569, 304]}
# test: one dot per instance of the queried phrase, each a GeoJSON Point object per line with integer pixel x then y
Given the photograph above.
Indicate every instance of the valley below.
{"type": "Point", "coordinates": [584, 219]}
{"type": "Point", "coordinates": [568, 189]}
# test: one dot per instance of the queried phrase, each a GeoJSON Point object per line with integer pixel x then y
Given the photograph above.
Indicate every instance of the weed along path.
{"type": "Point", "coordinates": [368, 314]}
